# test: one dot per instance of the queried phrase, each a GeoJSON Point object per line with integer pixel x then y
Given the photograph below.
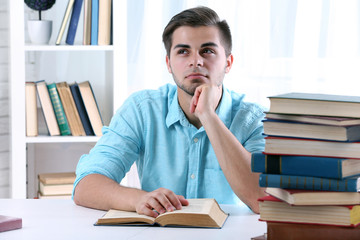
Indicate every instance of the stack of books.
{"type": "Point", "coordinates": [56, 185]}
{"type": "Point", "coordinates": [311, 167]}
{"type": "Point", "coordinates": [97, 22]}
{"type": "Point", "coordinates": [67, 109]}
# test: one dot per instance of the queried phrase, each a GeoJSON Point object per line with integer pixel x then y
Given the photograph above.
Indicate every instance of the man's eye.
{"type": "Point", "coordinates": [182, 51]}
{"type": "Point", "coordinates": [208, 51]}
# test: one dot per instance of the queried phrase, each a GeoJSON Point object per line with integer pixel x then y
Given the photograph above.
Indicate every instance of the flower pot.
{"type": "Point", "coordinates": [40, 31]}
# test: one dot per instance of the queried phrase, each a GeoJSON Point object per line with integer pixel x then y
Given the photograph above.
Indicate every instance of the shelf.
{"type": "Point", "coordinates": [32, 47]}
{"type": "Point", "coordinates": [62, 139]}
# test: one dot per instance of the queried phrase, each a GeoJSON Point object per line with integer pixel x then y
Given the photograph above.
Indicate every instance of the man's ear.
{"type": "Point", "coordinates": [229, 62]}
{"type": "Point", "coordinates": [168, 64]}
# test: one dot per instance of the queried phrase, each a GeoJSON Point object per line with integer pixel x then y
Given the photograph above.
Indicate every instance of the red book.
{"type": "Point", "coordinates": [8, 223]}
{"type": "Point", "coordinates": [275, 210]}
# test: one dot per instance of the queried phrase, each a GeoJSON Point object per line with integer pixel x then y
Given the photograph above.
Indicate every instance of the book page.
{"type": "Point", "coordinates": [199, 206]}
{"type": "Point", "coordinates": [124, 214]}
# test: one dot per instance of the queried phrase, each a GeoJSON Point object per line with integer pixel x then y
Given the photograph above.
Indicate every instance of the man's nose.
{"type": "Point", "coordinates": [196, 60]}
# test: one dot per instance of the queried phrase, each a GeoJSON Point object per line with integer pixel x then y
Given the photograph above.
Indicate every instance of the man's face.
{"type": "Point", "coordinates": [197, 57]}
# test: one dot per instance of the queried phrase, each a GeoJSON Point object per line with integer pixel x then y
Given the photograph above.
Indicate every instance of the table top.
{"type": "Point", "coordinates": [63, 219]}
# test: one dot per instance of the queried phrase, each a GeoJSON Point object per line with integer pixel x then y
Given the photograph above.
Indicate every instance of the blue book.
{"type": "Point", "coordinates": [75, 15]}
{"type": "Point", "coordinates": [94, 21]}
{"type": "Point", "coordinates": [325, 167]}
{"type": "Point", "coordinates": [309, 183]}
{"type": "Point", "coordinates": [74, 88]}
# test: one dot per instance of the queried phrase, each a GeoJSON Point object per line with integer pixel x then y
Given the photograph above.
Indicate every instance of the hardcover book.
{"type": "Point", "coordinates": [59, 110]}
{"type": "Point", "coordinates": [74, 21]}
{"type": "Point", "coordinates": [71, 112]}
{"type": "Point", "coordinates": [332, 121]}
{"type": "Point", "coordinates": [64, 21]}
{"type": "Point", "coordinates": [315, 131]}
{"type": "Point", "coordinates": [104, 22]}
{"type": "Point", "coordinates": [8, 223]}
{"type": "Point", "coordinates": [316, 104]}
{"type": "Point", "coordinates": [199, 213]}
{"type": "Point", "coordinates": [325, 167]}
{"type": "Point", "coordinates": [87, 23]}
{"type": "Point", "coordinates": [308, 197]}
{"type": "Point", "coordinates": [31, 110]}
{"type": "Point", "coordinates": [94, 21]}
{"type": "Point", "coordinates": [310, 147]}
{"type": "Point", "coordinates": [294, 231]}
{"type": "Point", "coordinates": [47, 108]}
{"type": "Point", "coordinates": [309, 183]}
{"type": "Point", "coordinates": [275, 210]}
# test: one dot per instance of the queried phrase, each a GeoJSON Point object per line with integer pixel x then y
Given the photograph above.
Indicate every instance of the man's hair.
{"type": "Point", "coordinates": [196, 17]}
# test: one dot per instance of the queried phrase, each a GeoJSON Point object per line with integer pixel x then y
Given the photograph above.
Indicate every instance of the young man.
{"type": "Point", "coordinates": [192, 140]}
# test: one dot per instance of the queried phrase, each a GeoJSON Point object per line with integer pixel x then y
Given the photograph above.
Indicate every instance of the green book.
{"type": "Point", "coordinates": [59, 110]}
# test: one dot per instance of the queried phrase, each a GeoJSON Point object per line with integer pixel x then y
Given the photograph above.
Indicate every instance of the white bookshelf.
{"type": "Point", "coordinates": [104, 66]}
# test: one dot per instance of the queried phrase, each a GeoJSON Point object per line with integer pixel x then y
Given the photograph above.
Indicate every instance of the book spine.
{"type": "Point", "coordinates": [307, 183]}
{"type": "Point", "coordinates": [81, 109]}
{"type": "Point", "coordinates": [74, 22]}
{"type": "Point", "coordinates": [87, 23]}
{"type": "Point", "coordinates": [297, 165]}
{"type": "Point", "coordinates": [64, 22]}
{"type": "Point", "coordinates": [31, 110]}
{"type": "Point", "coordinates": [59, 110]}
{"type": "Point", "coordinates": [104, 22]}
{"type": "Point", "coordinates": [94, 21]}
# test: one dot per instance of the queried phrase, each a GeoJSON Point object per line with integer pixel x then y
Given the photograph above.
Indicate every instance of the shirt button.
{"type": "Point", "coordinates": [192, 176]}
{"type": "Point", "coordinates": [196, 140]}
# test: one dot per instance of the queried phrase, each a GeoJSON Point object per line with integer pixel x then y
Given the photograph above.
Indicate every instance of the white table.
{"type": "Point", "coordinates": [62, 219]}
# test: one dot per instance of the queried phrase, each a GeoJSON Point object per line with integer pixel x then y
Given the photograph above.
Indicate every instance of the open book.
{"type": "Point", "coordinates": [199, 213]}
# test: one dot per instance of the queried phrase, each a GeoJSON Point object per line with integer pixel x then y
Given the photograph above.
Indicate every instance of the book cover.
{"type": "Point", "coordinates": [332, 121]}
{"type": "Point", "coordinates": [81, 109]}
{"type": "Point", "coordinates": [294, 231]}
{"type": "Point", "coordinates": [275, 210]}
{"type": "Point", "coordinates": [64, 21]}
{"type": "Point", "coordinates": [8, 223]}
{"type": "Point", "coordinates": [55, 189]}
{"type": "Point", "coordinates": [57, 178]}
{"type": "Point", "coordinates": [87, 23]}
{"type": "Point", "coordinates": [47, 108]}
{"type": "Point", "coordinates": [74, 21]}
{"type": "Point", "coordinates": [94, 21]}
{"type": "Point", "coordinates": [104, 22]}
{"type": "Point", "coordinates": [310, 197]}
{"type": "Point", "coordinates": [314, 131]}
{"type": "Point", "coordinates": [309, 183]}
{"type": "Point", "coordinates": [199, 213]}
{"type": "Point", "coordinates": [311, 147]}
{"type": "Point", "coordinates": [91, 107]}
{"type": "Point", "coordinates": [59, 110]}
{"type": "Point", "coordinates": [325, 167]}
{"type": "Point", "coordinates": [71, 112]}
{"type": "Point", "coordinates": [31, 110]}
{"type": "Point", "coordinates": [316, 104]}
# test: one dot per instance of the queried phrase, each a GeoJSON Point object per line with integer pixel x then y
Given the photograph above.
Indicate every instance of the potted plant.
{"type": "Point", "coordinates": [40, 30]}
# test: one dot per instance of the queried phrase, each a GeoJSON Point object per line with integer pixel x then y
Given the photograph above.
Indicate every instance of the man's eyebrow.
{"type": "Point", "coordinates": [181, 46]}
{"type": "Point", "coordinates": [209, 44]}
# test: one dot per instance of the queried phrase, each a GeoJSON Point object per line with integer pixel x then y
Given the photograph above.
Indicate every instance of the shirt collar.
{"type": "Point", "coordinates": [176, 114]}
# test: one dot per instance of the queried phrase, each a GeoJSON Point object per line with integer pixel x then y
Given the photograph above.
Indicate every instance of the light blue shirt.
{"type": "Point", "coordinates": [152, 130]}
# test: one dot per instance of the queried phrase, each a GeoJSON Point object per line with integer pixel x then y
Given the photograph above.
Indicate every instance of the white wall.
{"type": "Point", "coordinates": [4, 99]}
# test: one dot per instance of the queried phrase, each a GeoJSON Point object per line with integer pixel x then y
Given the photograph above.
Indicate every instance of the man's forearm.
{"type": "Point", "coordinates": [99, 192]}
{"type": "Point", "coordinates": [234, 159]}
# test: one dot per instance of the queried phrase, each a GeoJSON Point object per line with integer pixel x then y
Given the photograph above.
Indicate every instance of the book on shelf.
{"type": "Point", "coordinates": [275, 210]}
{"type": "Point", "coordinates": [311, 147]}
{"type": "Point", "coordinates": [58, 185]}
{"type": "Point", "coordinates": [74, 21]}
{"type": "Point", "coordinates": [91, 107]}
{"type": "Point", "coordinates": [199, 213]}
{"type": "Point", "coordinates": [31, 110]}
{"type": "Point", "coordinates": [94, 21]}
{"type": "Point", "coordinates": [326, 167]}
{"type": "Point", "coordinates": [316, 104]}
{"type": "Point", "coordinates": [61, 196]}
{"type": "Point", "coordinates": [309, 197]}
{"type": "Point", "coordinates": [314, 131]}
{"type": "Point", "coordinates": [295, 231]}
{"type": "Point", "coordinates": [71, 112]}
{"type": "Point", "coordinates": [47, 108]}
{"type": "Point", "coordinates": [64, 21]}
{"type": "Point", "coordinates": [8, 223]}
{"type": "Point", "coordinates": [59, 110]}
{"type": "Point", "coordinates": [309, 183]}
{"type": "Point", "coordinates": [104, 31]}
{"type": "Point", "coordinates": [331, 121]}
{"type": "Point", "coordinates": [87, 23]}
{"type": "Point", "coordinates": [81, 109]}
